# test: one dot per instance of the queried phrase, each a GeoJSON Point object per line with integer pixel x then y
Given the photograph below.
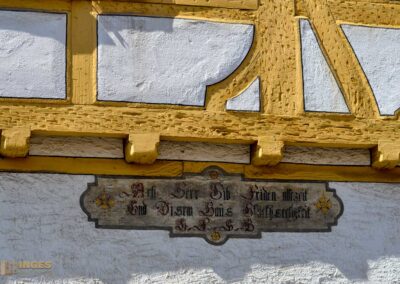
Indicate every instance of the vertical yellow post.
{"type": "Point", "coordinates": [83, 52]}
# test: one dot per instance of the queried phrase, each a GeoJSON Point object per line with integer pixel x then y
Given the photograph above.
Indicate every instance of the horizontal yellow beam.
{"type": "Point", "coordinates": [199, 125]}
{"type": "Point", "coordinates": [175, 168]}
{"type": "Point", "coordinates": [235, 4]}
{"type": "Point", "coordinates": [323, 173]}
{"type": "Point", "coordinates": [89, 166]}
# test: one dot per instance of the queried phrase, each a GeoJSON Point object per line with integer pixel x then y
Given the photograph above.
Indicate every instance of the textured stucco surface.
{"type": "Point", "coordinates": [320, 89]}
{"type": "Point", "coordinates": [40, 219]}
{"type": "Point", "coordinates": [208, 152]}
{"type": "Point", "coordinates": [162, 60]}
{"type": "Point", "coordinates": [326, 156]}
{"type": "Point", "coordinates": [378, 51]}
{"type": "Point", "coordinates": [94, 147]}
{"type": "Point", "coordinates": [32, 55]}
{"type": "Point", "coordinates": [248, 100]}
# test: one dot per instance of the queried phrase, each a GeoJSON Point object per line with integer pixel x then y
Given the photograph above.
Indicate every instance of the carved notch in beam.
{"type": "Point", "coordinates": [142, 148]}
{"type": "Point", "coordinates": [386, 155]}
{"type": "Point", "coordinates": [15, 142]}
{"type": "Point", "coordinates": [268, 152]}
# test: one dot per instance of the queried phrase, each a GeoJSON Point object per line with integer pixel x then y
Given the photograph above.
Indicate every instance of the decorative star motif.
{"type": "Point", "coordinates": [323, 204]}
{"type": "Point", "coordinates": [105, 201]}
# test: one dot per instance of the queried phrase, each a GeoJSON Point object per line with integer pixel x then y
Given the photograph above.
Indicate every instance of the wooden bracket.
{"type": "Point", "coordinates": [386, 155]}
{"type": "Point", "coordinates": [142, 148]}
{"type": "Point", "coordinates": [268, 152]}
{"type": "Point", "coordinates": [15, 142]}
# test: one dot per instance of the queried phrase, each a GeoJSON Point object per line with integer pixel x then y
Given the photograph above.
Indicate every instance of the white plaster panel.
{"type": "Point", "coordinates": [93, 147]}
{"type": "Point", "coordinates": [378, 51]}
{"type": "Point", "coordinates": [32, 55]}
{"type": "Point", "coordinates": [248, 100]}
{"type": "Point", "coordinates": [164, 60]}
{"type": "Point", "coordinates": [40, 219]}
{"type": "Point", "coordinates": [321, 91]}
{"type": "Point", "coordinates": [326, 156]}
{"type": "Point", "coordinates": [200, 151]}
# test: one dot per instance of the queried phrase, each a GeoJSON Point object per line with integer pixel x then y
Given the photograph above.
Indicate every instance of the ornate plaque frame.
{"type": "Point", "coordinates": [213, 205]}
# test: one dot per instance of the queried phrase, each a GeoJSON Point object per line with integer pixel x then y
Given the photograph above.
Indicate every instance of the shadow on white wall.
{"type": "Point", "coordinates": [41, 219]}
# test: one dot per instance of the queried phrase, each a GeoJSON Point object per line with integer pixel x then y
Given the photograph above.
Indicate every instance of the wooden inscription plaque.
{"type": "Point", "coordinates": [213, 205]}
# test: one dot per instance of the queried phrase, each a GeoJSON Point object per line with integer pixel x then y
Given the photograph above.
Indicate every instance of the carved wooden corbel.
{"type": "Point", "coordinates": [15, 142]}
{"type": "Point", "coordinates": [386, 155]}
{"type": "Point", "coordinates": [268, 152]}
{"type": "Point", "coordinates": [142, 148]}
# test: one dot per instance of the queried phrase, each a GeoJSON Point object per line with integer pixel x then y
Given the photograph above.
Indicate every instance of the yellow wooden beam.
{"type": "Point", "coordinates": [42, 5]}
{"type": "Point", "coordinates": [173, 169]}
{"type": "Point", "coordinates": [323, 173]}
{"type": "Point", "coordinates": [371, 13]}
{"type": "Point", "coordinates": [89, 166]}
{"type": "Point", "coordinates": [237, 4]}
{"type": "Point", "coordinates": [84, 48]}
{"type": "Point", "coordinates": [199, 125]}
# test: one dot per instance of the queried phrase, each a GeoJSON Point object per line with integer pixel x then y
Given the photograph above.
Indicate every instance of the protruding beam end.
{"type": "Point", "coordinates": [268, 152]}
{"type": "Point", "coordinates": [386, 155]}
{"type": "Point", "coordinates": [15, 142]}
{"type": "Point", "coordinates": [142, 148]}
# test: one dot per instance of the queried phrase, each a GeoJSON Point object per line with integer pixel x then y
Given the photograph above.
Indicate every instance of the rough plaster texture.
{"type": "Point", "coordinates": [199, 151]}
{"type": "Point", "coordinates": [94, 147]}
{"type": "Point", "coordinates": [40, 219]}
{"type": "Point", "coordinates": [32, 55]}
{"type": "Point", "coordinates": [326, 156]}
{"type": "Point", "coordinates": [248, 100]}
{"type": "Point", "coordinates": [162, 60]}
{"type": "Point", "coordinates": [321, 91]}
{"type": "Point", "coordinates": [378, 51]}
{"type": "Point", "coordinates": [97, 147]}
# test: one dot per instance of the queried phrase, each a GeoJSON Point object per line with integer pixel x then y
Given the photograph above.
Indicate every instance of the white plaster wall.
{"type": "Point", "coordinates": [32, 55]}
{"type": "Point", "coordinates": [248, 100]}
{"type": "Point", "coordinates": [320, 89]}
{"type": "Point", "coordinates": [40, 219]}
{"type": "Point", "coordinates": [164, 60]}
{"type": "Point", "coordinates": [378, 51]}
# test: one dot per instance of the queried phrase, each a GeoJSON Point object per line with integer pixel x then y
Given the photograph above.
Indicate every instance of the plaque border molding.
{"type": "Point", "coordinates": [232, 236]}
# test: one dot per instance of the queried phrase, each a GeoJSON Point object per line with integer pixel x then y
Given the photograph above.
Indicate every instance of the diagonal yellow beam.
{"type": "Point", "coordinates": [343, 61]}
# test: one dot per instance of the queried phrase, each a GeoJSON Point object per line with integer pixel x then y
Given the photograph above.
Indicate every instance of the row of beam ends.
{"type": "Point", "coordinates": [143, 149]}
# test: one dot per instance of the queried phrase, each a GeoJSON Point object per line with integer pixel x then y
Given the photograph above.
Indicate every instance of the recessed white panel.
{"type": "Point", "coordinates": [248, 100]}
{"type": "Point", "coordinates": [32, 55]}
{"type": "Point", "coordinates": [321, 91]}
{"type": "Point", "coordinates": [378, 51]}
{"type": "Point", "coordinates": [164, 60]}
